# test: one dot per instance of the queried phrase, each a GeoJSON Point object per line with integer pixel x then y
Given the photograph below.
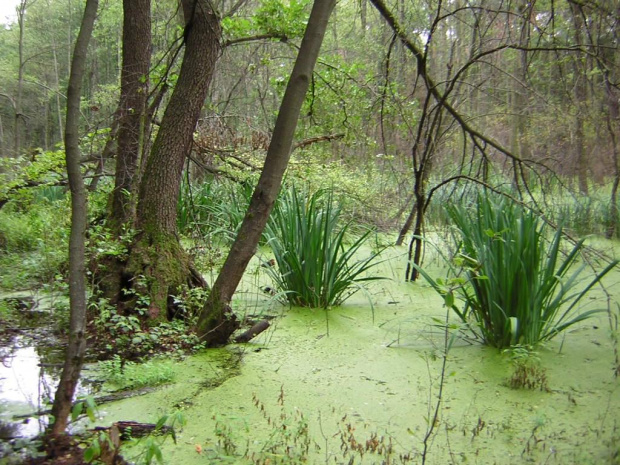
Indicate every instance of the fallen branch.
{"type": "Point", "coordinates": [254, 331]}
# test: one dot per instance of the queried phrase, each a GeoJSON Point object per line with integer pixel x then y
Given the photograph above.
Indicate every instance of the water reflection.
{"type": "Point", "coordinates": [25, 388]}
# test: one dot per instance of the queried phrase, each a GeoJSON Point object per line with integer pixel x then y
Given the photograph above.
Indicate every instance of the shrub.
{"type": "Point", "coordinates": [518, 289]}
{"type": "Point", "coordinates": [315, 267]}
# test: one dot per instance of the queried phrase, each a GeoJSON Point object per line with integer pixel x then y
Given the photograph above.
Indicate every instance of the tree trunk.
{"type": "Point", "coordinates": [581, 160]}
{"type": "Point", "coordinates": [132, 108]}
{"type": "Point", "coordinates": [519, 144]}
{"type": "Point", "coordinates": [21, 13]}
{"type": "Point", "coordinates": [77, 286]}
{"type": "Point", "coordinates": [215, 323]}
{"type": "Point", "coordinates": [156, 254]}
{"type": "Point", "coordinates": [613, 123]}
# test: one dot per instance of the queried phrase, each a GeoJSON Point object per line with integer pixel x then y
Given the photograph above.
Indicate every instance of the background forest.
{"type": "Point", "coordinates": [411, 104]}
{"type": "Point", "coordinates": [537, 79]}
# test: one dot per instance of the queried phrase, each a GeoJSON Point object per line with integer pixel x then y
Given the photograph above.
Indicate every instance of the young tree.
{"type": "Point", "coordinates": [76, 347]}
{"type": "Point", "coordinates": [216, 322]}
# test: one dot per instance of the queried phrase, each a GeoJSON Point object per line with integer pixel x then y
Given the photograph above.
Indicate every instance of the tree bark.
{"type": "Point", "coordinates": [159, 188]}
{"type": "Point", "coordinates": [215, 322]}
{"type": "Point", "coordinates": [77, 286]}
{"type": "Point", "coordinates": [581, 159]}
{"type": "Point", "coordinates": [156, 253]}
{"type": "Point", "coordinates": [21, 13]}
{"type": "Point", "coordinates": [132, 108]}
{"type": "Point", "coordinates": [613, 123]}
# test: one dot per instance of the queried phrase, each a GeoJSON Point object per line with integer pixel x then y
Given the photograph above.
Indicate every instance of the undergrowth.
{"type": "Point", "coordinates": [123, 375]}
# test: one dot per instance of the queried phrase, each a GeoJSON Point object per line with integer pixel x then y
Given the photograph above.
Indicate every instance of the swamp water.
{"type": "Point", "coordinates": [23, 385]}
{"type": "Point", "coordinates": [367, 391]}
{"type": "Point", "coordinates": [340, 388]}
{"type": "Point", "coordinates": [30, 366]}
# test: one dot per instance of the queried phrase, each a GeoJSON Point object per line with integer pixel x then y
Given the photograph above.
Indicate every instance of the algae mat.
{"type": "Point", "coordinates": [367, 392]}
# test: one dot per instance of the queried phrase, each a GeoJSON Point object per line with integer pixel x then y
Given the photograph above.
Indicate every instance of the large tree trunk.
{"type": "Point", "coordinates": [77, 286]}
{"type": "Point", "coordinates": [216, 323]}
{"type": "Point", "coordinates": [131, 121]}
{"type": "Point", "coordinates": [156, 253]}
{"type": "Point", "coordinates": [132, 108]}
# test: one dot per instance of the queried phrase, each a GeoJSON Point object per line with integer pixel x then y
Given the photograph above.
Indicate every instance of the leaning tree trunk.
{"type": "Point", "coordinates": [76, 348]}
{"type": "Point", "coordinates": [216, 321]}
{"type": "Point", "coordinates": [157, 265]}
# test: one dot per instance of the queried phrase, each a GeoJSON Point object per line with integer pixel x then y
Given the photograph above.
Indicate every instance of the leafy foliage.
{"type": "Point", "coordinates": [314, 265]}
{"type": "Point", "coordinates": [527, 370]}
{"type": "Point", "coordinates": [212, 210]}
{"type": "Point", "coordinates": [129, 337]}
{"type": "Point", "coordinates": [518, 289]}
{"type": "Point", "coordinates": [43, 168]}
{"type": "Point", "coordinates": [33, 242]}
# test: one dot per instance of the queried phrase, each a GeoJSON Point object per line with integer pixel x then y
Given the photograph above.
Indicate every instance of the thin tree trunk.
{"type": "Point", "coordinates": [57, 83]}
{"type": "Point", "coordinates": [21, 13]}
{"type": "Point", "coordinates": [613, 120]}
{"type": "Point", "coordinates": [406, 226]}
{"type": "Point", "coordinates": [580, 106]}
{"type": "Point", "coordinates": [519, 137]}
{"type": "Point", "coordinates": [214, 322]}
{"type": "Point", "coordinates": [2, 154]}
{"type": "Point", "coordinates": [76, 348]}
{"type": "Point", "coordinates": [613, 198]}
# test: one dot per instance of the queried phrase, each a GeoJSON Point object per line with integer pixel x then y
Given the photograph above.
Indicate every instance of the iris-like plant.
{"type": "Point", "coordinates": [213, 209]}
{"type": "Point", "coordinates": [518, 287]}
{"type": "Point", "coordinates": [315, 267]}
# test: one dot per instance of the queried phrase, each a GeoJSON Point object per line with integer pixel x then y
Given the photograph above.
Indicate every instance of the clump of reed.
{"type": "Point", "coordinates": [315, 257]}
{"type": "Point", "coordinates": [515, 285]}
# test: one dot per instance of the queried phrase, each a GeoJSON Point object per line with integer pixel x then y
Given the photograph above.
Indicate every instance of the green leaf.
{"type": "Point", "coordinates": [76, 411]}
{"type": "Point", "coordinates": [161, 422]}
{"type": "Point", "coordinates": [449, 299]}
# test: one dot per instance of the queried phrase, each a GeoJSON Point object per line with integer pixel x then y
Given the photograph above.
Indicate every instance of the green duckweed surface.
{"type": "Point", "coordinates": [367, 391]}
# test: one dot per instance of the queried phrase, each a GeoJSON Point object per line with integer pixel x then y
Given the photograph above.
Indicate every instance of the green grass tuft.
{"type": "Point", "coordinates": [315, 264]}
{"type": "Point", "coordinates": [518, 289]}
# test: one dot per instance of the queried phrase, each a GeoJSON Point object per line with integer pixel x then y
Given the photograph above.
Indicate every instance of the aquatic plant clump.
{"type": "Point", "coordinates": [518, 287]}
{"type": "Point", "coordinates": [315, 266]}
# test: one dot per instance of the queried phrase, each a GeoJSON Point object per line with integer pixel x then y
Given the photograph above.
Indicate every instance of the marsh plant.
{"type": "Point", "coordinates": [315, 264]}
{"type": "Point", "coordinates": [212, 210]}
{"type": "Point", "coordinates": [527, 373]}
{"type": "Point", "coordinates": [290, 440]}
{"type": "Point", "coordinates": [515, 284]}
